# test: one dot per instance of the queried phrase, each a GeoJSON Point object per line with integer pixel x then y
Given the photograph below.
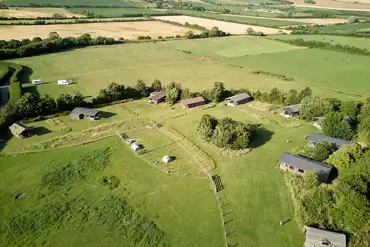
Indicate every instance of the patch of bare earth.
{"type": "Point", "coordinates": [20, 12]}
{"type": "Point", "coordinates": [127, 30]}
{"type": "Point", "coordinates": [233, 28]}
{"type": "Point", "coordinates": [328, 4]}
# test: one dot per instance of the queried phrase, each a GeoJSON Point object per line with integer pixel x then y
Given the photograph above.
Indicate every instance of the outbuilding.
{"type": "Point", "coordinates": [291, 111]}
{"type": "Point", "coordinates": [318, 121]}
{"type": "Point", "coordinates": [316, 237]}
{"type": "Point", "coordinates": [238, 99]}
{"type": "Point", "coordinates": [314, 139]}
{"type": "Point", "coordinates": [194, 102]}
{"type": "Point", "coordinates": [84, 113]}
{"type": "Point", "coordinates": [37, 82]}
{"type": "Point", "coordinates": [135, 146]}
{"type": "Point", "coordinates": [157, 97]}
{"type": "Point", "coordinates": [167, 159]}
{"type": "Point", "coordinates": [298, 165]}
{"type": "Point", "coordinates": [20, 130]}
{"type": "Point", "coordinates": [64, 82]}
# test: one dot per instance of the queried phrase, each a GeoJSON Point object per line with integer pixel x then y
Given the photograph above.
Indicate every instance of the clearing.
{"type": "Point", "coordinates": [127, 30]}
{"type": "Point", "coordinates": [233, 28]}
{"type": "Point", "coordinates": [21, 12]}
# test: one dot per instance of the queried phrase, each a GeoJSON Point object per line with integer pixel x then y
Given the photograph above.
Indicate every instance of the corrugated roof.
{"type": "Point", "coordinates": [292, 108]}
{"type": "Point", "coordinates": [318, 237]}
{"type": "Point", "coordinates": [192, 101]}
{"type": "Point", "coordinates": [18, 128]}
{"type": "Point", "coordinates": [85, 111]}
{"type": "Point", "coordinates": [323, 138]}
{"type": "Point", "coordinates": [304, 163]}
{"type": "Point", "coordinates": [157, 95]}
{"type": "Point", "coordinates": [239, 97]}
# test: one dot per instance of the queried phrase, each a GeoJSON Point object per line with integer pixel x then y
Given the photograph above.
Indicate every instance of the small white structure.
{"type": "Point", "coordinates": [135, 146]}
{"type": "Point", "coordinates": [64, 82]}
{"type": "Point", "coordinates": [166, 159]}
{"type": "Point", "coordinates": [37, 82]}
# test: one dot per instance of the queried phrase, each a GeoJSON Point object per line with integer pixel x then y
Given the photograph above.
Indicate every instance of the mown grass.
{"type": "Point", "coordinates": [345, 27]}
{"type": "Point", "coordinates": [120, 3]}
{"type": "Point", "coordinates": [118, 12]}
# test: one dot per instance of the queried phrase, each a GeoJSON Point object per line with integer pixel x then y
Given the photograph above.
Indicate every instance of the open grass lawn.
{"type": "Point", "coordinates": [117, 12]}
{"type": "Point", "coordinates": [184, 208]}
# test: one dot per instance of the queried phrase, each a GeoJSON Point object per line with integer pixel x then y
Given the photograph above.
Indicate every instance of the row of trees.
{"type": "Point", "coordinates": [214, 32]}
{"type": "Point", "coordinates": [276, 96]}
{"type": "Point", "coordinates": [226, 132]}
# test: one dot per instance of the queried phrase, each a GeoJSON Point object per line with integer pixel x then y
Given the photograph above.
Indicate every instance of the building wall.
{"type": "Point", "coordinates": [291, 169]}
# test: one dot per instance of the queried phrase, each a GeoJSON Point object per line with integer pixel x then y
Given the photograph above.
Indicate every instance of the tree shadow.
{"type": "Point", "coordinates": [260, 136]}
{"type": "Point", "coordinates": [105, 114]}
{"type": "Point", "coordinates": [39, 131]}
{"type": "Point", "coordinates": [5, 136]}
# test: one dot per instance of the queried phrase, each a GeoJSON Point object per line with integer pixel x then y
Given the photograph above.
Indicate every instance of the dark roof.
{"type": "Point", "coordinates": [304, 163]}
{"type": "Point", "coordinates": [18, 128]}
{"type": "Point", "coordinates": [316, 236]}
{"type": "Point", "coordinates": [292, 108]}
{"type": "Point", "coordinates": [323, 138]}
{"type": "Point", "coordinates": [85, 111]}
{"type": "Point", "coordinates": [157, 95]}
{"type": "Point", "coordinates": [239, 97]}
{"type": "Point", "coordinates": [192, 101]}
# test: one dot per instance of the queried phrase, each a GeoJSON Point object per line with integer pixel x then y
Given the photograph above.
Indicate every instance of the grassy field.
{"type": "Point", "coordinates": [346, 27]}
{"type": "Point", "coordinates": [120, 3]}
{"type": "Point", "coordinates": [256, 193]}
{"type": "Point", "coordinates": [118, 12]}
{"type": "Point", "coordinates": [22, 12]}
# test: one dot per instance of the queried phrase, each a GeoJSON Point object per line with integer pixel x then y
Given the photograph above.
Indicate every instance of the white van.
{"type": "Point", "coordinates": [64, 82]}
{"type": "Point", "coordinates": [37, 82]}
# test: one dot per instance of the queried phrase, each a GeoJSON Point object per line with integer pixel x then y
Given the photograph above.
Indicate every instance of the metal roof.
{"type": "Point", "coordinates": [321, 238]}
{"type": "Point", "coordinates": [292, 108]}
{"type": "Point", "coordinates": [239, 97]}
{"type": "Point", "coordinates": [192, 101]}
{"type": "Point", "coordinates": [157, 95]}
{"type": "Point", "coordinates": [323, 138]}
{"type": "Point", "coordinates": [85, 111]}
{"type": "Point", "coordinates": [304, 163]}
{"type": "Point", "coordinates": [18, 128]}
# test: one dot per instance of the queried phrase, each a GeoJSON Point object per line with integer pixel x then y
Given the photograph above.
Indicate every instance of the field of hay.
{"type": "Point", "coordinates": [328, 4]}
{"type": "Point", "coordinates": [24, 12]}
{"type": "Point", "coordinates": [233, 28]}
{"type": "Point", "coordinates": [127, 30]}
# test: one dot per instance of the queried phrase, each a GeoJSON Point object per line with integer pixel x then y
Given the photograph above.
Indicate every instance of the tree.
{"type": "Point", "coordinates": [305, 92]}
{"type": "Point", "coordinates": [214, 32]}
{"type": "Point", "coordinates": [218, 92]}
{"type": "Point", "coordinates": [156, 85]}
{"type": "Point", "coordinates": [322, 151]}
{"type": "Point", "coordinates": [314, 107]}
{"type": "Point", "coordinates": [172, 95]}
{"type": "Point", "coordinates": [54, 35]}
{"type": "Point", "coordinates": [353, 19]}
{"type": "Point", "coordinates": [345, 156]}
{"type": "Point", "coordinates": [47, 104]}
{"type": "Point", "coordinates": [206, 126]}
{"type": "Point", "coordinates": [28, 105]}
{"type": "Point", "coordinates": [350, 108]}
{"type": "Point", "coordinates": [141, 88]}
{"type": "Point", "coordinates": [189, 35]}
{"type": "Point", "coordinates": [292, 97]}
{"type": "Point", "coordinates": [333, 125]}
{"type": "Point", "coordinates": [185, 93]}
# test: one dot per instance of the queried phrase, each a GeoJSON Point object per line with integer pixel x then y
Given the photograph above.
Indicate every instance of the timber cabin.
{"type": "Point", "coordinates": [194, 102]}
{"type": "Point", "coordinates": [314, 139]}
{"type": "Point", "coordinates": [157, 97]}
{"type": "Point", "coordinates": [84, 113]}
{"type": "Point", "coordinates": [238, 99]}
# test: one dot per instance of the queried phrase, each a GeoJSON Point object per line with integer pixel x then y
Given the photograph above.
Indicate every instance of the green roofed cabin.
{"type": "Point", "coordinates": [84, 113]}
{"type": "Point", "coordinates": [19, 130]}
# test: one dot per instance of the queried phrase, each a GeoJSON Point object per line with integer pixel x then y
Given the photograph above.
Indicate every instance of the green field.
{"type": "Point", "coordinates": [120, 3]}
{"type": "Point", "coordinates": [345, 27]}
{"type": "Point", "coordinates": [118, 12]}
{"type": "Point", "coordinates": [183, 207]}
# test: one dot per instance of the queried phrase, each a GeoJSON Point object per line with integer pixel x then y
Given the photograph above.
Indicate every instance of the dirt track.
{"type": "Point", "coordinates": [233, 28]}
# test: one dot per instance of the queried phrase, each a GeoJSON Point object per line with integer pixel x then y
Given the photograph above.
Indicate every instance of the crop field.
{"type": "Point", "coordinates": [120, 3]}
{"type": "Point", "coordinates": [346, 27]}
{"type": "Point", "coordinates": [127, 30]}
{"type": "Point", "coordinates": [118, 19]}
{"type": "Point", "coordinates": [233, 28]}
{"type": "Point", "coordinates": [118, 12]}
{"type": "Point", "coordinates": [255, 189]}
{"type": "Point", "coordinates": [21, 12]}
{"type": "Point", "coordinates": [329, 4]}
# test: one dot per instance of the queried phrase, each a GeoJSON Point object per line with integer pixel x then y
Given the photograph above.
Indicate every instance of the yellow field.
{"type": "Point", "coordinates": [328, 4]}
{"type": "Point", "coordinates": [233, 28]}
{"type": "Point", "coordinates": [127, 30]}
{"type": "Point", "coordinates": [21, 12]}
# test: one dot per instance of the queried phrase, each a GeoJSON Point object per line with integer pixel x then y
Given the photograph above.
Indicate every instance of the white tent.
{"type": "Point", "coordinates": [135, 146]}
{"type": "Point", "coordinates": [166, 159]}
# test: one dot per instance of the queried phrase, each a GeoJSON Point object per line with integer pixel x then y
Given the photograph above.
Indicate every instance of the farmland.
{"type": "Point", "coordinates": [327, 4]}
{"type": "Point", "coordinates": [128, 30]}
{"type": "Point", "coordinates": [119, 3]}
{"type": "Point", "coordinates": [118, 12]}
{"type": "Point", "coordinates": [347, 27]}
{"type": "Point", "coordinates": [35, 12]}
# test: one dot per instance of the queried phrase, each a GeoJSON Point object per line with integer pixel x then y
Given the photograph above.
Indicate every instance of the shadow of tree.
{"type": "Point", "coordinates": [260, 137]}
{"type": "Point", "coordinates": [40, 131]}
{"type": "Point", "coordinates": [105, 114]}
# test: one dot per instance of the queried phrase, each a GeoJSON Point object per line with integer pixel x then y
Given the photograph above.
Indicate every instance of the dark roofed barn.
{"type": "Point", "coordinates": [238, 99]}
{"type": "Point", "coordinates": [291, 111]}
{"type": "Point", "coordinates": [316, 237]}
{"type": "Point", "coordinates": [315, 138]}
{"type": "Point", "coordinates": [194, 102]}
{"type": "Point", "coordinates": [84, 113]}
{"type": "Point", "coordinates": [19, 130]}
{"type": "Point", "coordinates": [157, 97]}
{"type": "Point", "coordinates": [298, 165]}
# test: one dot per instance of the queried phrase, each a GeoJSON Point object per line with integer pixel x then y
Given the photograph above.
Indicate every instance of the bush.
{"type": "Point", "coordinates": [335, 126]}
{"type": "Point", "coordinates": [314, 107]}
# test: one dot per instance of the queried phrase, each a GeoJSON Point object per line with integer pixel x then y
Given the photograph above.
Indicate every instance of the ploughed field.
{"type": "Point", "coordinates": [127, 30]}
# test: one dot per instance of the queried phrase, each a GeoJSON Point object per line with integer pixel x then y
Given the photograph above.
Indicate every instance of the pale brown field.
{"type": "Point", "coordinates": [20, 12]}
{"type": "Point", "coordinates": [320, 21]}
{"type": "Point", "coordinates": [127, 30]}
{"type": "Point", "coordinates": [328, 4]}
{"type": "Point", "coordinates": [233, 28]}
{"type": "Point", "coordinates": [71, 20]}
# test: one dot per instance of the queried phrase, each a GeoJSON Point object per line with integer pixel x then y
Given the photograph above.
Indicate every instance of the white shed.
{"type": "Point", "coordinates": [166, 159]}
{"type": "Point", "coordinates": [36, 82]}
{"type": "Point", "coordinates": [135, 146]}
{"type": "Point", "coordinates": [64, 82]}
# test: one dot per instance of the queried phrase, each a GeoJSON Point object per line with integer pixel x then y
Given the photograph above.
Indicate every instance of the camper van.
{"type": "Point", "coordinates": [37, 82]}
{"type": "Point", "coordinates": [64, 82]}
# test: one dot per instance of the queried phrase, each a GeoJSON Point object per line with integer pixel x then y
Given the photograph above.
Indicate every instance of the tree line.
{"type": "Point", "coordinates": [73, 21]}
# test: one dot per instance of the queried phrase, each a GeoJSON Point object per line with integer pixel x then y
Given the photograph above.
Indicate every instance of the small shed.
{"type": "Point", "coordinates": [64, 82]}
{"type": "Point", "coordinates": [84, 113]}
{"type": "Point", "coordinates": [316, 237]}
{"type": "Point", "coordinates": [193, 102]}
{"type": "Point", "coordinates": [238, 99]}
{"type": "Point", "coordinates": [157, 97]}
{"type": "Point", "coordinates": [167, 159]}
{"type": "Point", "coordinates": [298, 165]}
{"type": "Point", "coordinates": [20, 130]}
{"type": "Point", "coordinates": [315, 138]}
{"type": "Point", "coordinates": [291, 111]}
{"type": "Point", "coordinates": [135, 146]}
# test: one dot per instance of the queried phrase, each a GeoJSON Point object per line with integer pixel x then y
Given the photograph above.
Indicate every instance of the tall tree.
{"type": "Point", "coordinates": [335, 126]}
